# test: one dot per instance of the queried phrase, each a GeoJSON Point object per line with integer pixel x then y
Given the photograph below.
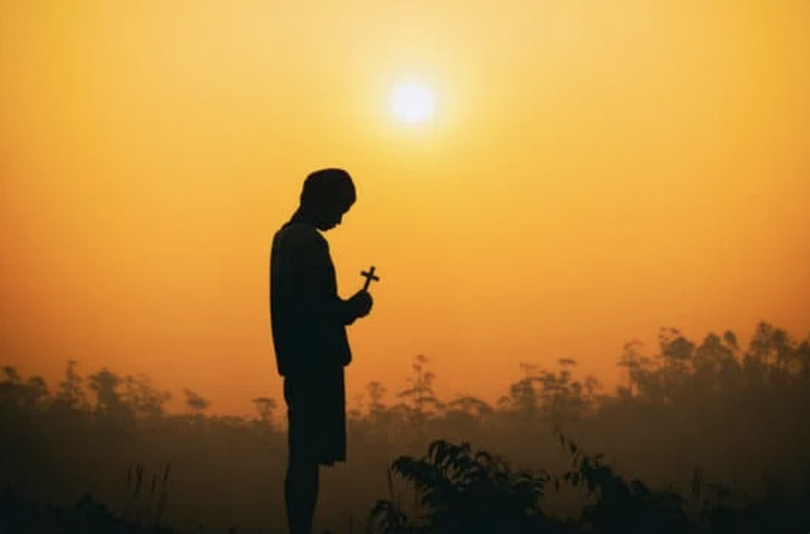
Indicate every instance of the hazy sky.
{"type": "Point", "coordinates": [595, 170]}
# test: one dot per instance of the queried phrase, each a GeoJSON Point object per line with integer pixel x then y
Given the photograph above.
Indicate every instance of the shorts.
{"type": "Point", "coordinates": [316, 416]}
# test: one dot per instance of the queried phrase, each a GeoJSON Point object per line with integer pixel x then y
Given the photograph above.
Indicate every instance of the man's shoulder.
{"type": "Point", "coordinates": [298, 234]}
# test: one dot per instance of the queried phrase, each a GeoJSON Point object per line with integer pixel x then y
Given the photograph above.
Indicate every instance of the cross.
{"type": "Point", "coordinates": [369, 277]}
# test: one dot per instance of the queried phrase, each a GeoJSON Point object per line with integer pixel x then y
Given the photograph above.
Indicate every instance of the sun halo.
{"type": "Point", "coordinates": [412, 103]}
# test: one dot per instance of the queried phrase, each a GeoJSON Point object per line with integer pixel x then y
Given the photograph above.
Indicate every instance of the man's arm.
{"type": "Point", "coordinates": [317, 287]}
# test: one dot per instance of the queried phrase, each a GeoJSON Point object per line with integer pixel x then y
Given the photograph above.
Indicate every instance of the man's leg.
{"type": "Point", "coordinates": [301, 493]}
{"type": "Point", "coordinates": [302, 480]}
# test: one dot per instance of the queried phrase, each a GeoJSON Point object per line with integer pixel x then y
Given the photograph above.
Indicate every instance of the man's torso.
{"type": "Point", "coordinates": [308, 335]}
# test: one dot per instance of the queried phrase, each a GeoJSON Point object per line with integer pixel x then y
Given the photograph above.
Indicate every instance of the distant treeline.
{"type": "Point", "coordinates": [691, 413]}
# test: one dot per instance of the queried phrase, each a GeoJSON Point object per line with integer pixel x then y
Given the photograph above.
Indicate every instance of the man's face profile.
{"type": "Point", "coordinates": [331, 215]}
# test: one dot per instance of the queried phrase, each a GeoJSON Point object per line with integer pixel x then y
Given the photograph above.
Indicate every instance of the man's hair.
{"type": "Point", "coordinates": [327, 186]}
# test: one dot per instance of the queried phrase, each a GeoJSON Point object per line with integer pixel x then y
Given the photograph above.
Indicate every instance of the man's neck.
{"type": "Point", "coordinates": [301, 216]}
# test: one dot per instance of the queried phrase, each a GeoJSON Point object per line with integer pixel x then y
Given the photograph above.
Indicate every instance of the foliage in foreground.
{"type": "Point", "coordinates": [461, 491]}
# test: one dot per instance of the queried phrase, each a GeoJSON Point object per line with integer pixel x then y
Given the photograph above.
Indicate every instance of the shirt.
{"type": "Point", "coordinates": [308, 317]}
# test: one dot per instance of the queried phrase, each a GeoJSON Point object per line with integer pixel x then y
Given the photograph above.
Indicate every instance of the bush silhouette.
{"type": "Point", "coordinates": [465, 492]}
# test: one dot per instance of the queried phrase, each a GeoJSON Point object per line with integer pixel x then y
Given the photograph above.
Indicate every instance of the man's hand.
{"type": "Point", "coordinates": [361, 303]}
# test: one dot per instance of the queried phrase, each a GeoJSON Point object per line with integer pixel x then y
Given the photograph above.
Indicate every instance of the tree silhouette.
{"type": "Point", "coordinates": [641, 379]}
{"type": "Point", "coordinates": [10, 387]}
{"type": "Point", "coordinates": [803, 360]}
{"type": "Point", "coordinates": [419, 400]}
{"type": "Point", "coordinates": [35, 392]}
{"type": "Point", "coordinates": [715, 364]}
{"type": "Point", "coordinates": [376, 392]}
{"type": "Point", "coordinates": [12, 376]}
{"type": "Point", "coordinates": [144, 399]}
{"type": "Point", "coordinates": [564, 399]}
{"type": "Point", "coordinates": [523, 399]}
{"type": "Point", "coordinates": [195, 403]}
{"type": "Point", "coordinates": [471, 406]}
{"type": "Point", "coordinates": [265, 407]}
{"type": "Point", "coordinates": [105, 384]}
{"type": "Point", "coordinates": [71, 391]}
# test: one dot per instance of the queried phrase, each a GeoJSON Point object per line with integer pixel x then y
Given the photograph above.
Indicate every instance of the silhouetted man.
{"type": "Point", "coordinates": [309, 322]}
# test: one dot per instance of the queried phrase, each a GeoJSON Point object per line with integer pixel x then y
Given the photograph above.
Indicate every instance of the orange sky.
{"type": "Point", "coordinates": [595, 170]}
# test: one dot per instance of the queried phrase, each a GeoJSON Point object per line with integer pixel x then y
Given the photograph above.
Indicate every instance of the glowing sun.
{"type": "Point", "coordinates": [412, 103]}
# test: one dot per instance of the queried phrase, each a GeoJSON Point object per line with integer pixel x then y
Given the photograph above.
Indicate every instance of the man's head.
{"type": "Point", "coordinates": [327, 196]}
